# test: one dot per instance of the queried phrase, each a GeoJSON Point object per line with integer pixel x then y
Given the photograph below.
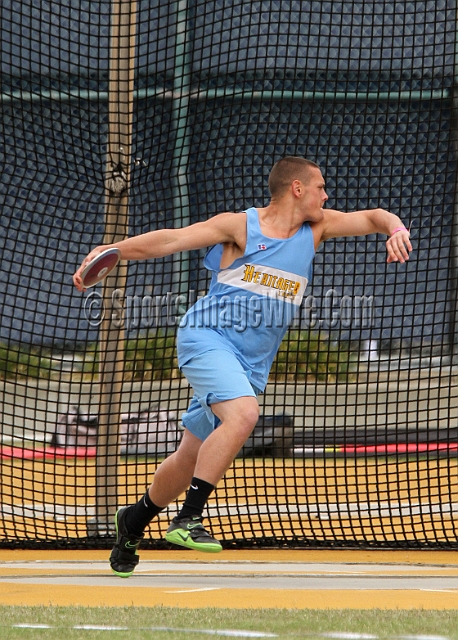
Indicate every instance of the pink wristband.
{"type": "Point", "coordinates": [399, 229]}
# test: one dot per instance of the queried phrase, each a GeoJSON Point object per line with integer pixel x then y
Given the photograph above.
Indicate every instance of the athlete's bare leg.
{"type": "Point", "coordinates": [174, 474]}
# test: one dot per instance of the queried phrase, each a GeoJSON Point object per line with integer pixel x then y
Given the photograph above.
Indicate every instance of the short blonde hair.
{"type": "Point", "coordinates": [286, 170]}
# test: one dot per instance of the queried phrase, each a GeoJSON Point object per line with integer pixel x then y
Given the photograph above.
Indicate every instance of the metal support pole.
{"type": "Point", "coordinates": [232, 94]}
{"type": "Point", "coordinates": [454, 249]}
{"type": "Point", "coordinates": [180, 109]}
{"type": "Point", "coordinates": [454, 238]}
{"type": "Point", "coordinates": [454, 275]}
{"type": "Point", "coordinates": [111, 354]}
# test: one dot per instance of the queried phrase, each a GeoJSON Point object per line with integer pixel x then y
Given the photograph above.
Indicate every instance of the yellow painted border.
{"type": "Point", "coordinates": [448, 558]}
{"type": "Point", "coordinates": [13, 593]}
{"type": "Point", "coordinates": [66, 595]}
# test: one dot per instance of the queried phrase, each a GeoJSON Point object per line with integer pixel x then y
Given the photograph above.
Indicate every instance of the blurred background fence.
{"type": "Point", "coordinates": [128, 116]}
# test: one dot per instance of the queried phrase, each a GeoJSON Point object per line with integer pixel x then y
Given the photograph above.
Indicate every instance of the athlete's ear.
{"type": "Point", "coordinates": [296, 188]}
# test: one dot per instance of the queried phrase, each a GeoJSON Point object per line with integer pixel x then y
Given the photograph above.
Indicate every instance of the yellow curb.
{"type": "Point", "coordinates": [65, 595]}
{"type": "Point", "coordinates": [357, 556]}
{"type": "Point", "coordinates": [12, 593]}
{"type": "Point", "coordinates": [232, 570]}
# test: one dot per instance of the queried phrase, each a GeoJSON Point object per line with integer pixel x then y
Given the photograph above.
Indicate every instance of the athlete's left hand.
{"type": "Point", "coordinates": [398, 246]}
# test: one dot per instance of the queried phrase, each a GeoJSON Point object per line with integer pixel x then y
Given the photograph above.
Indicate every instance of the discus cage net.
{"type": "Point", "coordinates": [119, 117]}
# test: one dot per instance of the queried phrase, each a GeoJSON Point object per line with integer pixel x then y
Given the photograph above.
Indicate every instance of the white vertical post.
{"type": "Point", "coordinates": [454, 240]}
{"type": "Point", "coordinates": [180, 113]}
{"type": "Point", "coordinates": [111, 344]}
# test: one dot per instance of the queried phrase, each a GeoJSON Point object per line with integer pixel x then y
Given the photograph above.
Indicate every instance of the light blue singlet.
{"type": "Point", "coordinates": [250, 304]}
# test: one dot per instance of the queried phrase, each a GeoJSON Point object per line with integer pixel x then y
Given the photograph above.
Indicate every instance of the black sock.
{"type": "Point", "coordinates": [139, 515]}
{"type": "Point", "coordinates": [196, 498]}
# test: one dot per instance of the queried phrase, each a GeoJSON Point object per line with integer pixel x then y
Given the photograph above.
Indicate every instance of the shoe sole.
{"type": "Point", "coordinates": [206, 547]}
{"type": "Point", "coordinates": [120, 574]}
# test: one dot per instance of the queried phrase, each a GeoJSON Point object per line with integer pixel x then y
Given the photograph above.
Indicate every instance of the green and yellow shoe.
{"type": "Point", "coordinates": [190, 533]}
{"type": "Point", "coordinates": [124, 557]}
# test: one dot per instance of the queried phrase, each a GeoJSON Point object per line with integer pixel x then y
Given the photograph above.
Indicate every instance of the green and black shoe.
{"type": "Point", "coordinates": [190, 533]}
{"type": "Point", "coordinates": [124, 557]}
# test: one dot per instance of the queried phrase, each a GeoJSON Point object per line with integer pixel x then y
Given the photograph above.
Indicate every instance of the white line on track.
{"type": "Point", "coordinates": [194, 590]}
{"type": "Point", "coordinates": [233, 633]}
{"type": "Point", "coordinates": [349, 636]}
{"type": "Point", "coordinates": [325, 511]}
{"type": "Point", "coordinates": [31, 626]}
{"type": "Point", "coordinates": [98, 627]}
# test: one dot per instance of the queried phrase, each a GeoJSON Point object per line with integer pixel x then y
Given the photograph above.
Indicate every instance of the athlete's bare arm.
{"type": "Point", "coordinates": [337, 224]}
{"type": "Point", "coordinates": [225, 228]}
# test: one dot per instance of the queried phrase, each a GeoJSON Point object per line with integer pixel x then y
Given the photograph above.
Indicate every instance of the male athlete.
{"type": "Point", "coordinates": [261, 262]}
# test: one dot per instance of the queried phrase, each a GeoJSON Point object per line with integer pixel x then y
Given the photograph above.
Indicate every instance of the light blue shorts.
{"type": "Point", "coordinates": [215, 376]}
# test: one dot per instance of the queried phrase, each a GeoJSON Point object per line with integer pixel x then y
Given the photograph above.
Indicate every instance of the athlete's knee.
{"type": "Point", "coordinates": [250, 413]}
{"type": "Point", "coordinates": [243, 411]}
{"type": "Point", "coordinates": [241, 414]}
{"type": "Point", "coordinates": [246, 421]}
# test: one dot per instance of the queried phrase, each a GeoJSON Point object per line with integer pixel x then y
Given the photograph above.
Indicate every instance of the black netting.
{"type": "Point", "coordinates": [187, 105]}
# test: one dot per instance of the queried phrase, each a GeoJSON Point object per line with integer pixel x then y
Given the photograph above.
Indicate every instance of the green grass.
{"type": "Point", "coordinates": [34, 361]}
{"type": "Point", "coordinates": [151, 357]}
{"type": "Point", "coordinates": [21, 361]}
{"type": "Point", "coordinates": [305, 355]}
{"type": "Point", "coordinates": [302, 356]}
{"type": "Point", "coordinates": [190, 623]}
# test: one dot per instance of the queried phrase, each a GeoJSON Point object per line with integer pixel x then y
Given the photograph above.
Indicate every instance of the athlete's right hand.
{"type": "Point", "coordinates": [90, 256]}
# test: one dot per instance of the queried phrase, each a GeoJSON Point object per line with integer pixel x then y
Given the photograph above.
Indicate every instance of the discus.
{"type": "Point", "coordinates": [99, 267]}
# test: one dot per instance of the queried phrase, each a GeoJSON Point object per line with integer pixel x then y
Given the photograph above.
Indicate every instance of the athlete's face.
{"type": "Point", "coordinates": [314, 196]}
